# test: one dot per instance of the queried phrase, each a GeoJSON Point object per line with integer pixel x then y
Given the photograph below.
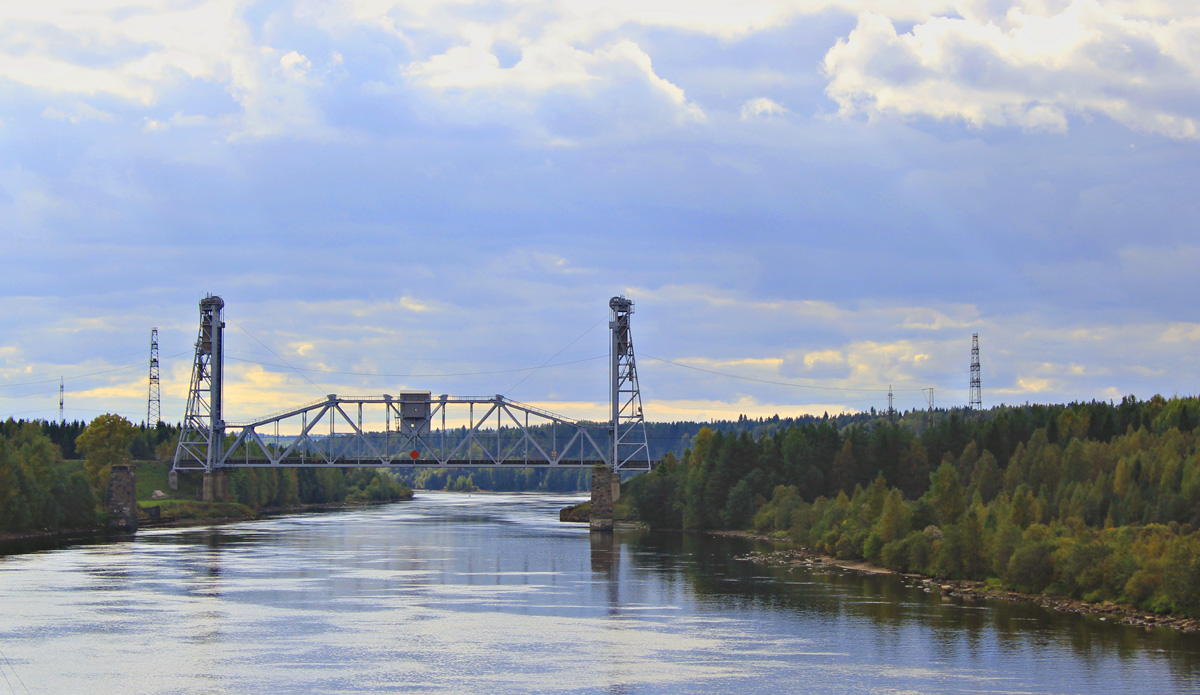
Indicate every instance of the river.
{"type": "Point", "coordinates": [489, 593]}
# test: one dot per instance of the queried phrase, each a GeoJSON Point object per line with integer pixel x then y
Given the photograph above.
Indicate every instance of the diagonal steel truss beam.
{"type": "Point", "coordinates": [505, 433]}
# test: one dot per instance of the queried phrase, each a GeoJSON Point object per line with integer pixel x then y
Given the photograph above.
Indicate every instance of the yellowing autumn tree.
{"type": "Point", "coordinates": [104, 442]}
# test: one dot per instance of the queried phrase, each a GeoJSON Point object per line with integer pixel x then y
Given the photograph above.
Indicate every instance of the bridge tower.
{"type": "Point", "coordinates": [629, 443]}
{"type": "Point", "coordinates": [202, 437]}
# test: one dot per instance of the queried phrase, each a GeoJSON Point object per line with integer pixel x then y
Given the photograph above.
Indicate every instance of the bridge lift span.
{"type": "Point", "coordinates": [418, 429]}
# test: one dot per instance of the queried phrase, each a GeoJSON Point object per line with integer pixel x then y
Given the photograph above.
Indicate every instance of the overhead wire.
{"type": "Point", "coordinates": [564, 349]}
{"type": "Point", "coordinates": [277, 356]}
{"type": "Point", "coordinates": [84, 376]}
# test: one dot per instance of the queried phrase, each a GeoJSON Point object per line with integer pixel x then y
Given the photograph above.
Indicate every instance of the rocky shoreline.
{"type": "Point", "coordinates": [971, 590]}
{"type": "Point", "coordinates": [955, 588]}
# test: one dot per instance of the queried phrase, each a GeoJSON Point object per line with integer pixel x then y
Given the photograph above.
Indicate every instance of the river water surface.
{"type": "Point", "coordinates": [489, 593]}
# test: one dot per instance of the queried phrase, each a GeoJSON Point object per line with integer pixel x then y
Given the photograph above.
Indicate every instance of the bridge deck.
{"type": "Point", "coordinates": [400, 463]}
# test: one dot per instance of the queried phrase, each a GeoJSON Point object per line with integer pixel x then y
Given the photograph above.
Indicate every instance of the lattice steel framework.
{"type": "Point", "coordinates": [976, 392]}
{"type": "Point", "coordinates": [630, 445]}
{"type": "Point", "coordinates": [153, 402]}
{"type": "Point", "coordinates": [201, 441]}
{"type": "Point", "coordinates": [418, 429]}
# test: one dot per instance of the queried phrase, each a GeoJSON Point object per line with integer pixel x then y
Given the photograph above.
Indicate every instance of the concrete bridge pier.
{"type": "Point", "coordinates": [122, 499]}
{"type": "Point", "coordinates": [603, 484]}
{"type": "Point", "coordinates": [215, 487]}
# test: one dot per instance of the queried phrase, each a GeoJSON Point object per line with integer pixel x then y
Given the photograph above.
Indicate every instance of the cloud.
{"type": "Point", "coordinates": [127, 50]}
{"type": "Point", "coordinates": [556, 87]}
{"type": "Point", "coordinates": [1034, 68]}
{"type": "Point", "coordinates": [142, 51]}
{"type": "Point", "coordinates": [295, 66]}
{"type": "Point", "coordinates": [77, 114]}
{"type": "Point", "coordinates": [181, 120]}
{"type": "Point", "coordinates": [761, 107]}
{"type": "Point", "coordinates": [273, 88]}
{"type": "Point", "coordinates": [565, 70]}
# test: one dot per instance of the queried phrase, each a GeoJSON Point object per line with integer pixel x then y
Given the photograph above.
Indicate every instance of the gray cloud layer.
{"type": "Point", "coordinates": [835, 194]}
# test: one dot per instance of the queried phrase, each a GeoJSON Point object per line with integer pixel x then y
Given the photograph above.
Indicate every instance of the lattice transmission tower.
{"type": "Point", "coordinates": [976, 393]}
{"type": "Point", "coordinates": [62, 420]}
{"type": "Point", "coordinates": [153, 402]}
{"type": "Point", "coordinates": [629, 440]}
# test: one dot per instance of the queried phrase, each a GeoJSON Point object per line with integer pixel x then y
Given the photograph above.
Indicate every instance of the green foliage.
{"type": "Point", "coordinates": [104, 443]}
{"type": "Point", "coordinates": [461, 483]}
{"type": "Point", "coordinates": [1031, 567]}
{"type": "Point", "coordinates": [502, 479]}
{"type": "Point", "coordinates": [287, 487]}
{"type": "Point", "coordinates": [38, 490]}
{"type": "Point", "coordinates": [41, 491]}
{"type": "Point", "coordinates": [946, 494]}
{"type": "Point", "coordinates": [739, 507]}
{"type": "Point", "coordinates": [1093, 500]}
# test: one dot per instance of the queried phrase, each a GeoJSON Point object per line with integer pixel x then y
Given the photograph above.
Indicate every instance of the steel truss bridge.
{"type": "Point", "coordinates": [412, 428]}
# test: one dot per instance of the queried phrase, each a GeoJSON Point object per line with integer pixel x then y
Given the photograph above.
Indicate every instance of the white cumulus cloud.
{"type": "Point", "coordinates": [1033, 67]}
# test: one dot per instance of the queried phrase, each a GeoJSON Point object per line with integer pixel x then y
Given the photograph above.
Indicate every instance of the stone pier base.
{"type": "Point", "coordinates": [602, 498]}
{"type": "Point", "coordinates": [122, 499]}
{"type": "Point", "coordinates": [215, 487]}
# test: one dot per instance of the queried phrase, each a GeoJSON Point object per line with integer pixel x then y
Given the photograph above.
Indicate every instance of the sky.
{"type": "Point", "coordinates": [808, 201]}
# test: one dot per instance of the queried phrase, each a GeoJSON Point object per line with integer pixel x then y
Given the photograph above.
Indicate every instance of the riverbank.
{"type": "Point", "coordinates": [963, 589]}
{"type": "Point", "coordinates": [198, 514]}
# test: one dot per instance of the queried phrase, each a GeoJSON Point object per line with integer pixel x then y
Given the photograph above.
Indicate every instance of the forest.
{"type": "Point", "coordinates": [41, 490]}
{"type": "Point", "coordinates": [1097, 501]}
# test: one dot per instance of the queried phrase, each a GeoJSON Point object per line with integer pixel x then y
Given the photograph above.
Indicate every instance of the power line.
{"type": "Point", "coordinates": [84, 376]}
{"type": "Point", "coordinates": [243, 330]}
{"type": "Point", "coordinates": [564, 349]}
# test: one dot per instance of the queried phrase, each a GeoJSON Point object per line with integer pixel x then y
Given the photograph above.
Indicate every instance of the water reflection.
{"type": "Point", "coordinates": [458, 594]}
{"type": "Point", "coordinates": [606, 566]}
{"type": "Point", "coordinates": [1017, 635]}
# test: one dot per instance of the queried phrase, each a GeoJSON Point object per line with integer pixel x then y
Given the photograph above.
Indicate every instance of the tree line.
{"type": "Point", "coordinates": [500, 479]}
{"type": "Point", "coordinates": [1095, 500]}
{"type": "Point", "coordinates": [40, 489]}
{"type": "Point", "coordinates": [290, 487]}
